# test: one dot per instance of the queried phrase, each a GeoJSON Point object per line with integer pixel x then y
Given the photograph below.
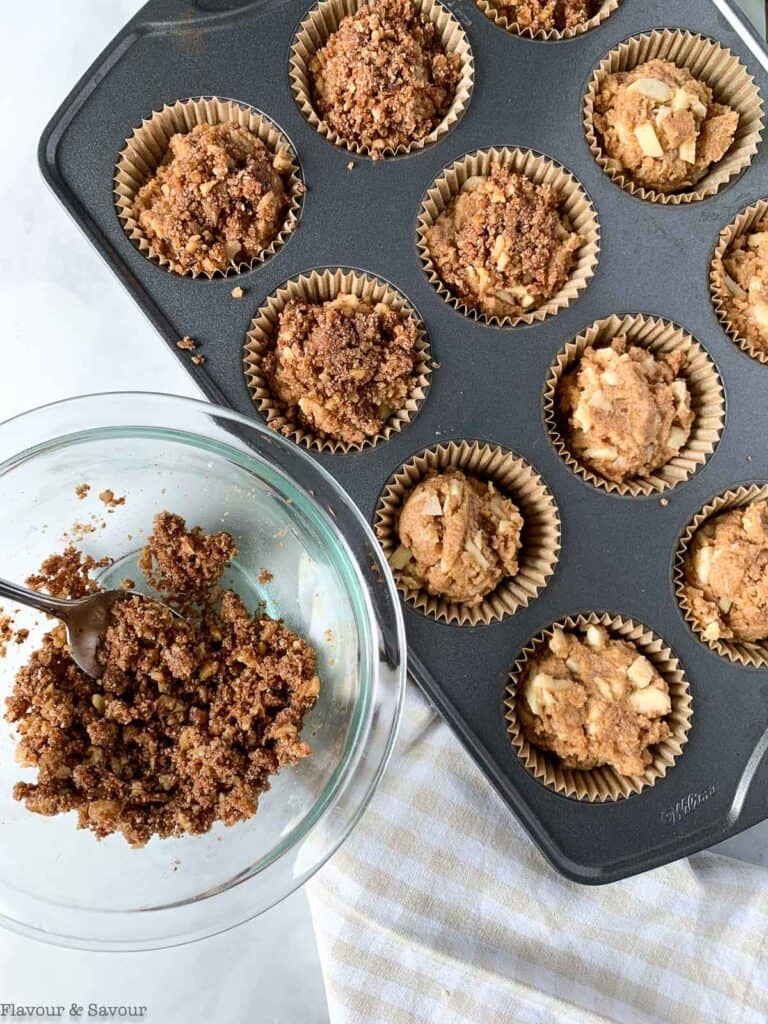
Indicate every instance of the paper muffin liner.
{"type": "Point", "coordinates": [502, 19]}
{"type": "Point", "coordinates": [575, 204]}
{"type": "Point", "coordinates": [599, 785]}
{"type": "Point", "coordinates": [323, 20]}
{"type": "Point", "coordinates": [754, 655]}
{"type": "Point", "coordinates": [741, 225]}
{"type": "Point", "coordinates": [316, 287]}
{"type": "Point", "coordinates": [517, 480]}
{"type": "Point", "coordinates": [704, 385]}
{"type": "Point", "coordinates": [707, 61]}
{"type": "Point", "coordinates": [146, 148]}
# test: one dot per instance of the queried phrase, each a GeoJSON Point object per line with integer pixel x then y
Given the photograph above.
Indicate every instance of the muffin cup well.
{"type": "Point", "coordinates": [490, 10]}
{"type": "Point", "coordinates": [740, 225]}
{"type": "Point", "coordinates": [704, 384]}
{"type": "Point", "coordinates": [707, 60]}
{"type": "Point", "coordinates": [323, 20]}
{"type": "Point", "coordinates": [576, 205]}
{"type": "Point", "coordinates": [754, 655]}
{"type": "Point", "coordinates": [146, 148]}
{"type": "Point", "coordinates": [598, 785]}
{"type": "Point", "coordinates": [317, 287]}
{"type": "Point", "coordinates": [517, 480]}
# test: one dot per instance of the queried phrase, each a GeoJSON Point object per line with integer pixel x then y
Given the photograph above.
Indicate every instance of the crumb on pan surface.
{"type": "Point", "coordinates": [342, 367]}
{"type": "Point", "coordinates": [626, 410]}
{"type": "Point", "coordinates": [743, 275]}
{"type": "Point", "coordinates": [594, 700]}
{"type": "Point", "coordinates": [383, 79]}
{"type": "Point", "coordinates": [459, 537]}
{"type": "Point", "coordinates": [503, 245]}
{"type": "Point", "coordinates": [219, 198]}
{"type": "Point", "coordinates": [662, 125]}
{"type": "Point", "coordinates": [726, 574]}
{"type": "Point", "coordinates": [545, 15]}
{"type": "Point", "coordinates": [191, 716]}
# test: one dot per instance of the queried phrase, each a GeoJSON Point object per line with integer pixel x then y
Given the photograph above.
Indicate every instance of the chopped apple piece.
{"type": "Point", "coordinates": [400, 557]}
{"type": "Point", "coordinates": [432, 506]}
{"type": "Point", "coordinates": [687, 151]}
{"type": "Point", "coordinates": [652, 88]}
{"type": "Point", "coordinates": [640, 672]}
{"type": "Point", "coordinates": [677, 438]}
{"type": "Point", "coordinates": [733, 287]}
{"type": "Point", "coordinates": [702, 562]}
{"type": "Point", "coordinates": [648, 140]}
{"type": "Point", "coordinates": [558, 644]}
{"type": "Point", "coordinates": [651, 702]}
{"type": "Point", "coordinates": [679, 389]}
{"type": "Point", "coordinates": [595, 637]}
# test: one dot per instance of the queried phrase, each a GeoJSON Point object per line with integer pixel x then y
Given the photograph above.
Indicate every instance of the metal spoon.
{"type": "Point", "coordinates": [86, 619]}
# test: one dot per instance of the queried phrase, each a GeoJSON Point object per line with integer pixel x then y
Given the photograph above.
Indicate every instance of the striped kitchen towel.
{"type": "Point", "coordinates": [439, 910]}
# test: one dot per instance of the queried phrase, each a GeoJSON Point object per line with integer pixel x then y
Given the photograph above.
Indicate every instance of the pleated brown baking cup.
{"type": "Point", "coordinates": [503, 20]}
{"type": "Point", "coordinates": [599, 785]}
{"type": "Point", "coordinates": [699, 372]}
{"type": "Point", "coordinates": [319, 287]}
{"type": "Point", "coordinates": [707, 61]}
{"type": "Point", "coordinates": [718, 287]}
{"type": "Point", "coordinates": [517, 480]}
{"type": "Point", "coordinates": [754, 655]}
{"type": "Point", "coordinates": [324, 19]}
{"type": "Point", "coordinates": [147, 147]}
{"type": "Point", "coordinates": [576, 205]}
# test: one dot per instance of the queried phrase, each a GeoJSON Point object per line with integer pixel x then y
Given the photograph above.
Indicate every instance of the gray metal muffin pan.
{"type": "Point", "coordinates": [617, 553]}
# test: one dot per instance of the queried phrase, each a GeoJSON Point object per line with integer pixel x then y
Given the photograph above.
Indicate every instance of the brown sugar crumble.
{"type": "Point", "coordinates": [545, 15]}
{"type": "Point", "coordinates": [108, 498]}
{"type": "Point", "coordinates": [594, 700]}
{"type": "Point", "coordinates": [503, 245]}
{"type": "Point", "coordinates": [742, 274]}
{"type": "Point", "coordinates": [265, 576]}
{"type": "Point", "coordinates": [662, 126]}
{"type": "Point", "coordinates": [626, 410]}
{"type": "Point", "coordinates": [191, 716]}
{"type": "Point", "coordinates": [198, 360]}
{"type": "Point", "coordinates": [82, 491]}
{"type": "Point", "coordinates": [459, 537]}
{"type": "Point", "coordinates": [186, 344]}
{"type": "Point", "coordinates": [383, 79]}
{"type": "Point", "coordinates": [342, 367]}
{"type": "Point", "coordinates": [726, 574]}
{"type": "Point", "coordinates": [218, 199]}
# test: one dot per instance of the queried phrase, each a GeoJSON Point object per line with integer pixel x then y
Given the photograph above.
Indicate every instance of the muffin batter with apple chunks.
{"type": "Point", "coordinates": [503, 245]}
{"type": "Point", "coordinates": [459, 537]}
{"type": "Point", "coordinates": [191, 716]}
{"type": "Point", "coordinates": [726, 574]}
{"type": "Point", "coordinates": [342, 367]}
{"type": "Point", "coordinates": [383, 79]}
{"type": "Point", "coordinates": [662, 125]}
{"type": "Point", "coordinates": [626, 410]}
{"type": "Point", "coordinates": [218, 199]}
{"type": "Point", "coordinates": [545, 15]}
{"type": "Point", "coordinates": [743, 273]}
{"type": "Point", "coordinates": [594, 700]}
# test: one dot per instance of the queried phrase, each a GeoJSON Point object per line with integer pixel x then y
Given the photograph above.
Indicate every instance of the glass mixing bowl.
{"type": "Point", "coordinates": [330, 583]}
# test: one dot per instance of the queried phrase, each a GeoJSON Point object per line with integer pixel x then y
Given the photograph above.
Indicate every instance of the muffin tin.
{"type": "Point", "coordinates": [618, 552]}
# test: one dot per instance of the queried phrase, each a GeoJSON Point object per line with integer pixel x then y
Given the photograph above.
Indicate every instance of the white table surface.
{"type": "Point", "coordinates": [69, 328]}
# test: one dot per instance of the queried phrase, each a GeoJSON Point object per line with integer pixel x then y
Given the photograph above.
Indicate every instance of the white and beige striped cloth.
{"type": "Point", "coordinates": [439, 910]}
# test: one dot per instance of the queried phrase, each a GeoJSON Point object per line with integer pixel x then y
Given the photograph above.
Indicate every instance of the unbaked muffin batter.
{"type": "Point", "coordinates": [726, 574]}
{"type": "Point", "coordinates": [218, 199]}
{"type": "Point", "coordinates": [744, 273]}
{"type": "Point", "coordinates": [626, 410]}
{"type": "Point", "coordinates": [459, 537]}
{"type": "Point", "coordinates": [662, 125]}
{"type": "Point", "coordinates": [342, 367]}
{"type": "Point", "coordinates": [545, 15]}
{"type": "Point", "coordinates": [503, 245]}
{"type": "Point", "coordinates": [594, 700]}
{"type": "Point", "coordinates": [383, 79]}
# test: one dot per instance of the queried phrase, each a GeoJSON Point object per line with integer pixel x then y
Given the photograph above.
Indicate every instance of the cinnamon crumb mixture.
{"type": "Point", "coordinates": [545, 15]}
{"type": "Point", "coordinates": [82, 491]}
{"type": "Point", "coordinates": [342, 367]}
{"type": "Point", "coordinates": [662, 125]}
{"type": "Point", "coordinates": [459, 537]}
{"type": "Point", "coordinates": [110, 500]}
{"type": "Point", "coordinates": [626, 410]}
{"type": "Point", "coordinates": [503, 246]}
{"type": "Point", "coordinates": [383, 79]}
{"type": "Point", "coordinates": [218, 199]}
{"type": "Point", "coordinates": [594, 700]}
{"type": "Point", "coordinates": [6, 633]}
{"type": "Point", "coordinates": [743, 279]}
{"type": "Point", "coordinates": [191, 716]}
{"type": "Point", "coordinates": [186, 344]}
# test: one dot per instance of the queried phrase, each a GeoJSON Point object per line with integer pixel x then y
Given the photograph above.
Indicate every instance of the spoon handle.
{"type": "Point", "coordinates": [43, 602]}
